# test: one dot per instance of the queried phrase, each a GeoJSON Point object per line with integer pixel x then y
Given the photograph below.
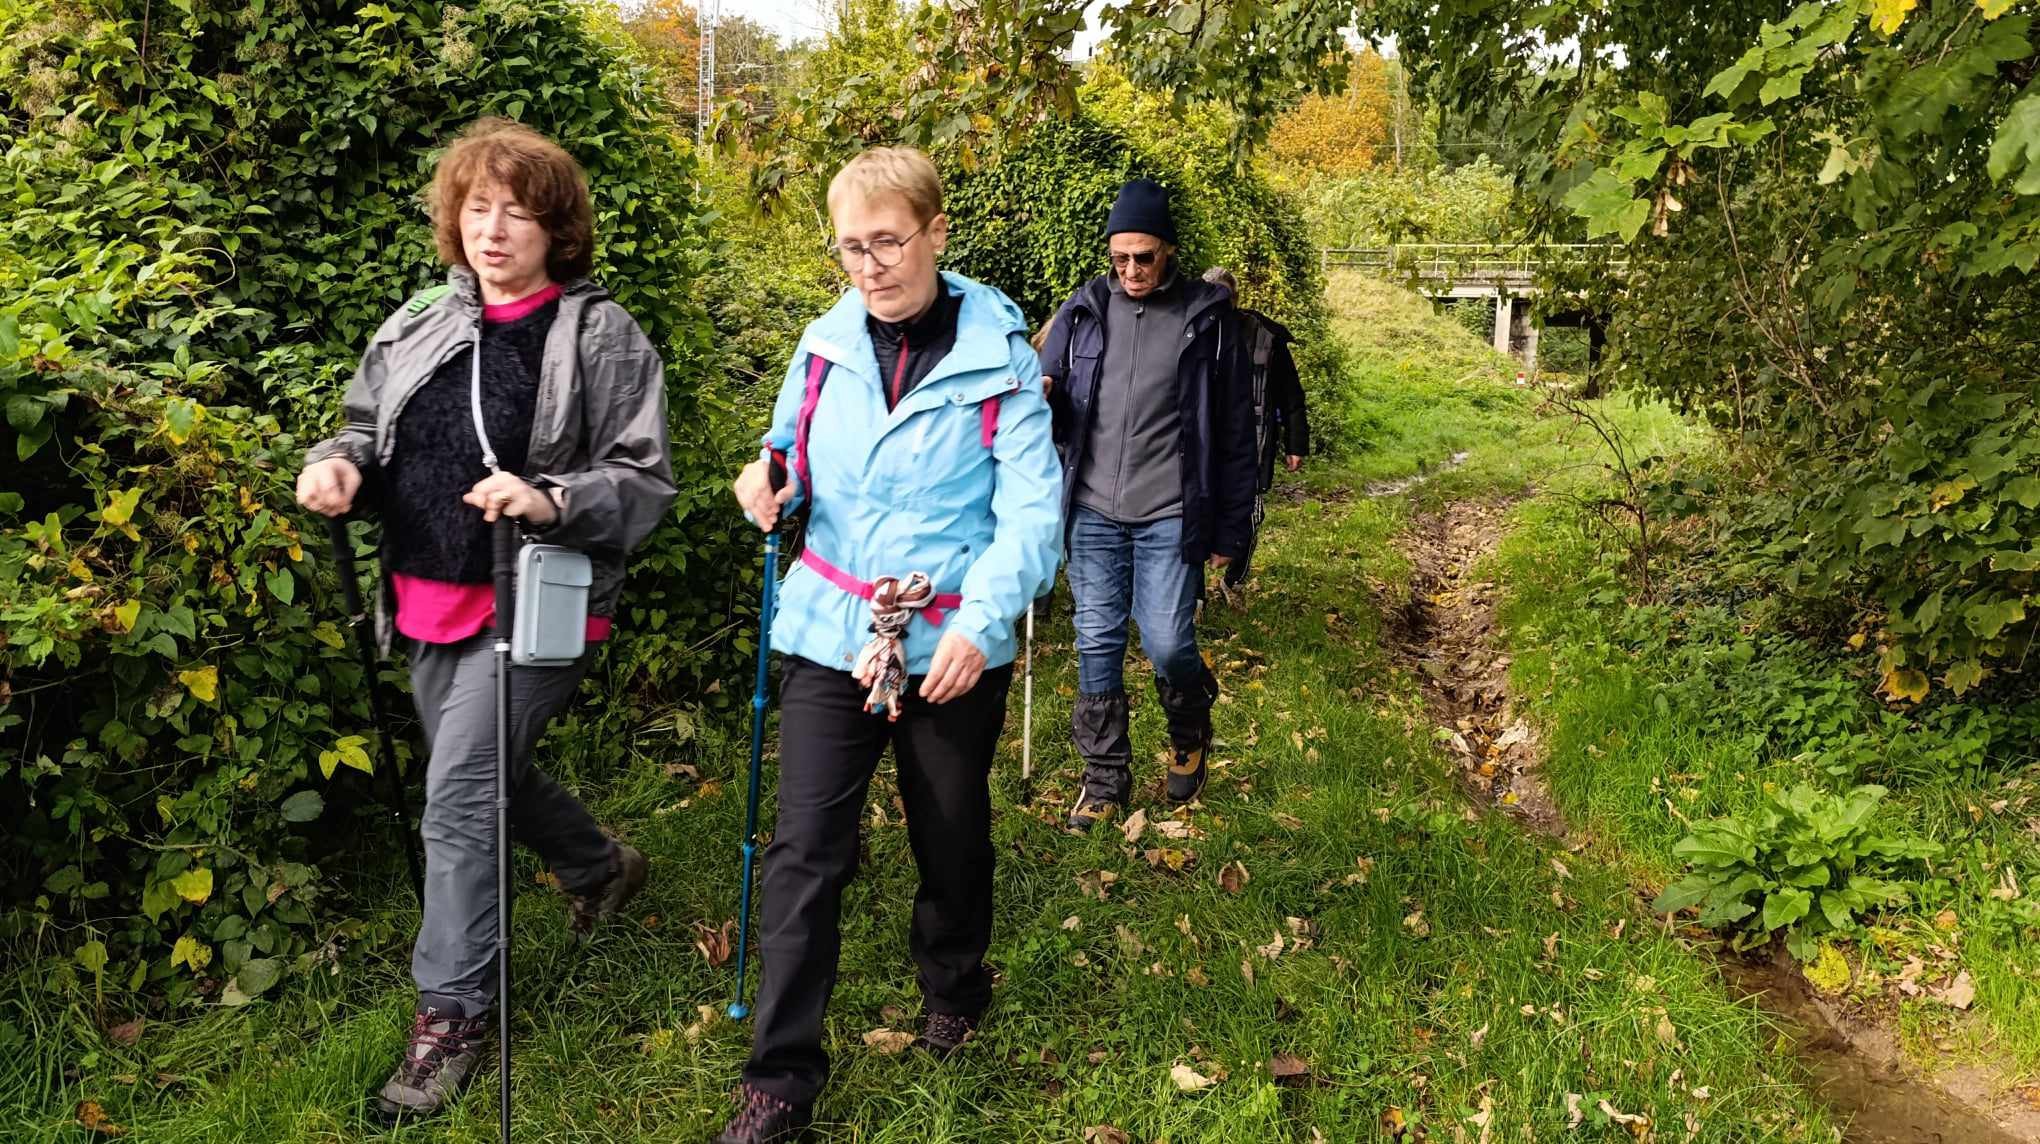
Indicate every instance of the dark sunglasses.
{"type": "Point", "coordinates": [1143, 258]}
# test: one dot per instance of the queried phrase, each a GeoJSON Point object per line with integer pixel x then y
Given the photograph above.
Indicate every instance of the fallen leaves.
{"type": "Point", "coordinates": [1170, 859]}
{"type": "Point", "coordinates": [1959, 993]}
{"type": "Point", "coordinates": [715, 944]}
{"type": "Point", "coordinates": [1097, 883]}
{"type": "Point", "coordinates": [1134, 826]}
{"type": "Point", "coordinates": [1288, 1068]}
{"type": "Point", "coordinates": [1415, 923]}
{"type": "Point", "coordinates": [1273, 949]}
{"type": "Point", "coordinates": [126, 1033]}
{"type": "Point", "coordinates": [1188, 1079]}
{"type": "Point", "coordinates": [1106, 1134]}
{"type": "Point", "coordinates": [1233, 877]}
{"type": "Point", "coordinates": [92, 1118]}
{"type": "Point", "coordinates": [888, 1041]}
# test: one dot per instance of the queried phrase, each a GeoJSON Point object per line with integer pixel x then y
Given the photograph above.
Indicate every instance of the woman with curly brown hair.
{"type": "Point", "coordinates": [569, 401]}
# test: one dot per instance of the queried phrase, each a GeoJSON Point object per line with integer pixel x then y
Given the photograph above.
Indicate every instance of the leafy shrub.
{"type": "Point", "coordinates": [198, 246]}
{"type": "Point", "coordinates": [1807, 864]}
{"type": "Point", "coordinates": [1469, 203]}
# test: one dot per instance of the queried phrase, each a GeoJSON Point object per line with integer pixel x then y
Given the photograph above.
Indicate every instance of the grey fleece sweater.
{"type": "Point", "coordinates": [1133, 473]}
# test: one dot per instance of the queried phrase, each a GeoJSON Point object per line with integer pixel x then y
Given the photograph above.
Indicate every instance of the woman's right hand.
{"type": "Point", "coordinates": [327, 487]}
{"type": "Point", "coordinates": [754, 493]}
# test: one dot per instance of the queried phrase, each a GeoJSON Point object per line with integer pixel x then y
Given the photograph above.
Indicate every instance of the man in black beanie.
{"type": "Point", "coordinates": [1156, 428]}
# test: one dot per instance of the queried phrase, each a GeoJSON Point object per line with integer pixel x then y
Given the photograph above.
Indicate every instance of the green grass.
{"type": "Point", "coordinates": [1635, 750]}
{"type": "Point", "coordinates": [1451, 967]}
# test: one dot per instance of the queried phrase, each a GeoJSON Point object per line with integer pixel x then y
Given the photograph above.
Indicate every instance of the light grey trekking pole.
{"type": "Point", "coordinates": [1027, 714]}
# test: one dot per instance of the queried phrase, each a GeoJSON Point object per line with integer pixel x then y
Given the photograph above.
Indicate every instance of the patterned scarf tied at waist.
{"type": "Point", "coordinates": [893, 604]}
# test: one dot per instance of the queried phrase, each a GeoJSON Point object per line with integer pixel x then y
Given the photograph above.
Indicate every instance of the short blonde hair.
{"type": "Point", "coordinates": [881, 171]}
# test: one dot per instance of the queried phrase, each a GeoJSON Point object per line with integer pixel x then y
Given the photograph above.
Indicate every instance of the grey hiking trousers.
{"type": "Point", "coordinates": [455, 688]}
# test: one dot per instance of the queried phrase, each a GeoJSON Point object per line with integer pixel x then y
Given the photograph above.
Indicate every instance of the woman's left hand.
{"type": "Point", "coordinates": [506, 494]}
{"type": "Point", "coordinates": [955, 669]}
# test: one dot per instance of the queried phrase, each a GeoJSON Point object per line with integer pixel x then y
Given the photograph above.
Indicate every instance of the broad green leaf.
{"type": "Point", "coordinates": [92, 957]}
{"type": "Point", "coordinates": [194, 885]}
{"type": "Point", "coordinates": [1964, 675]}
{"type": "Point", "coordinates": [283, 585]}
{"type": "Point", "coordinates": [254, 978]}
{"type": "Point", "coordinates": [127, 613]}
{"type": "Point", "coordinates": [304, 806]}
{"type": "Point", "coordinates": [2018, 141]}
{"type": "Point", "coordinates": [1682, 894]}
{"type": "Point", "coordinates": [329, 635]}
{"type": "Point", "coordinates": [1606, 203]}
{"type": "Point", "coordinates": [121, 508]}
{"type": "Point", "coordinates": [1786, 907]}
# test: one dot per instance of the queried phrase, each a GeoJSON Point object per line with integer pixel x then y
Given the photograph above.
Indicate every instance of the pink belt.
{"type": "Point", "coordinates": [936, 611]}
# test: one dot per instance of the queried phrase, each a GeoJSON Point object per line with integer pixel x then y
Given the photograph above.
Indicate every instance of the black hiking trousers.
{"type": "Point", "coordinates": [829, 746]}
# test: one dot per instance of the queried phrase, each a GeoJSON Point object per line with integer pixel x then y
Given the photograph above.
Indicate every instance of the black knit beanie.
{"type": "Point", "coordinates": [1143, 208]}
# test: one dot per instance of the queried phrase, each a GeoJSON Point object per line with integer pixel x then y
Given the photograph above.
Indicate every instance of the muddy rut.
{"type": "Point", "coordinates": [1445, 633]}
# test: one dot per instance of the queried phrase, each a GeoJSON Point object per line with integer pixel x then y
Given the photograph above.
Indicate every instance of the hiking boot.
{"type": "Point", "coordinates": [1187, 775]}
{"type": "Point", "coordinates": [442, 1057]}
{"type": "Point", "coordinates": [1188, 713]}
{"type": "Point", "coordinates": [626, 878]}
{"type": "Point", "coordinates": [764, 1119]}
{"type": "Point", "coordinates": [1093, 807]}
{"type": "Point", "coordinates": [1098, 722]}
{"type": "Point", "coordinates": [944, 1033]}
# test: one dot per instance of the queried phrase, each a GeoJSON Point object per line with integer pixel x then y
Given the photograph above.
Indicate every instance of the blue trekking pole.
{"type": "Point", "coordinates": [738, 1010]}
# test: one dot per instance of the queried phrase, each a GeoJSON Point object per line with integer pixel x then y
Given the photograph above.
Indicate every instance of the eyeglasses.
{"type": "Point", "coordinates": [1142, 258]}
{"type": "Point", "coordinates": [885, 250]}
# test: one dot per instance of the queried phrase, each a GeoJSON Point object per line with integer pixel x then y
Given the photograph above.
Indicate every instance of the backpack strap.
{"type": "Point", "coordinates": [817, 369]}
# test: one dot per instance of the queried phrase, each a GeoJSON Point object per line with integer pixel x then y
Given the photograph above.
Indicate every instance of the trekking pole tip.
{"type": "Point", "coordinates": [738, 1010]}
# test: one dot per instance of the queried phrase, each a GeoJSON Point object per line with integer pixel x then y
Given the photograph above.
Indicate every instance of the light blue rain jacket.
{"type": "Point", "coordinates": [915, 489]}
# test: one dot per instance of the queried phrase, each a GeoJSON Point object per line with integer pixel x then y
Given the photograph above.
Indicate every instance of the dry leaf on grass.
{"type": "Point", "coordinates": [1288, 821]}
{"type": "Point", "coordinates": [1637, 1124]}
{"type": "Point", "coordinates": [1667, 1033]}
{"type": "Point", "coordinates": [1573, 1115]}
{"type": "Point", "coordinates": [1097, 883]}
{"type": "Point", "coordinates": [1395, 1124]}
{"type": "Point", "coordinates": [1073, 922]}
{"type": "Point", "coordinates": [1416, 924]}
{"type": "Point", "coordinates": [1959, 993]}
{"type": "Point", "coordinates": [1247, 970]}
{"type": "Point", "coordinates": [126, 1033]}
{"type": "Point", "coordinates": [1233, 877]}
{"type": "Point", "coordinates": [1183, 924]}
{"type": "Point", "coordinates": [1134, 826]}
{"type": "Point", "coordinates": [1106, 1134]}
{"type": "Point", "coordinates": [1189, 1080]}
{"type": "Point", "coordinates": [1273, 949]}
{"type": "Point", "coordinates": [1174, 829]}
{"type": "Point", "coordinates": [1175, 861]}
{"type": "Point", "coordinates": [1479, 1035]}
{"type": "Point", "coordinates": [1195, 976]}
{"type": "Point", "coordinates": [715, 944]}
{"type": "Point", "coordinates": [1484, 1119]}
{"type": "Point", "coordinates": [1302, 933]}
{"type": "Point", "coordinates": [1129, 941]}
{"type": "Point", "coordinates": [888, 1041]}
{"type": "Point", "coordinates": [1287, 1068]}
{"type": "Point", "coordinates": [93, 1118]}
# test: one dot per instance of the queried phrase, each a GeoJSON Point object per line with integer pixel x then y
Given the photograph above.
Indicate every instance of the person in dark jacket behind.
{"type": "Point", "coordinates": [1150, 397]}
{"type": "Point", "coordinates": [1281, 426]}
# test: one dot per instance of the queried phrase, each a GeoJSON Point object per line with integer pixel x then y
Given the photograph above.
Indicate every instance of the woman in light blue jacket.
{"type": "Point", "coordinates": [909, 428]}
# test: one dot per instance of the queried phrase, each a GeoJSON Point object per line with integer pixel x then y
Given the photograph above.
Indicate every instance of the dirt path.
{"type": "Point", "coordinates": [1445, 634]}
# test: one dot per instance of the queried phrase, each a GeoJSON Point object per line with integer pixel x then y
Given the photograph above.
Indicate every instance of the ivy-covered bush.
{"type": "Point", "coordinates": [210, 206]}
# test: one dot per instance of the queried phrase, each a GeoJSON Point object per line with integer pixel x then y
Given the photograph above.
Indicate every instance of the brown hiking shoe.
{"type": "Point", "coordinates": [625, 880]}
{"type": "Point", "coordinates": [442, 1057]}
{"type": "Point", "coordinates": [764, 1119]}
{"type": "Point", "coordinates": [1093, 807]}
{"type": "Point", "coordinates": [1187, 774]}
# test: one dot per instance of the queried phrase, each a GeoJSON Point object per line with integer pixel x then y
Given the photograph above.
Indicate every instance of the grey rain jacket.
{"type": "Point", "coordinates": [598, 431]}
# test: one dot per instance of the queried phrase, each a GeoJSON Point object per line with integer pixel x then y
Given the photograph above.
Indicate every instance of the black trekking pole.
{"type": "Point", "coordinates": [365, 643]}
{"type": "Point", "coordinates": [506, 596]}
{"type": "Point", "coordinates": [738, 1010]}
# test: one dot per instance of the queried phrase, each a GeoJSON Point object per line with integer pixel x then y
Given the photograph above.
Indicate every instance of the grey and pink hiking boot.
{"type": "Point", "coordinates": [764, 1119]}
{"type": "Point", "coordinates": [443, 1055]}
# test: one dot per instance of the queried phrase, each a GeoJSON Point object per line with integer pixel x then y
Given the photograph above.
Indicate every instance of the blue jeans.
{"type": "Point", "coordinates": [1132, 571]}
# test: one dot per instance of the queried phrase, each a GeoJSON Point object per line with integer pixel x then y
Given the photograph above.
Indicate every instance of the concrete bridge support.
{"type": "Point", "coordinates": [1515, 332]}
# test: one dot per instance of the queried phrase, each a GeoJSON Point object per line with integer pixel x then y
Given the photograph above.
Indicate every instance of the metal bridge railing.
{"type": "Point", "coordinates": [1468, 261]}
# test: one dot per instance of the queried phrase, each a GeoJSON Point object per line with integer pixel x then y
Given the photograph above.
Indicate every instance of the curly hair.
{"type": "Point", "coordinates": [536, 171]}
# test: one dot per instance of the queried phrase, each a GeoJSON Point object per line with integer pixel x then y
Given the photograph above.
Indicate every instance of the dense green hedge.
{"type": "Point", "coordinates": [199, 238]}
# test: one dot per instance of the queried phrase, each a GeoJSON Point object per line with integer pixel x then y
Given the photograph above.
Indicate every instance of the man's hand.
{"type": "Point", "coordinates": [1294, 462]}
{"type": "Point", "coordinates": [506, 494]}
{"type": "Point", "coordinates": [327, 487]}
{"type": "Point", "coordinates": [1218, 561]}
{"type": "Point", "coordinates": [754, 493]}
{"type": "Point", "coordinates": [955, 670]}
{"type": "Point", "coordinates": [1047, 385]}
